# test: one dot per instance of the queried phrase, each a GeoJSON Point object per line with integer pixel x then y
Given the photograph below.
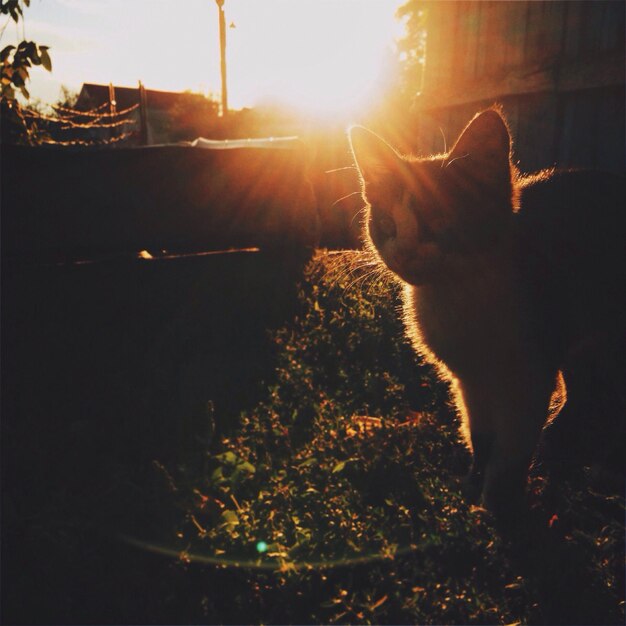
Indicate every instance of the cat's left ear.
{"type": "Point", "coordinates": [484, 146]}
{"type": "Point", "coordinates": [374, 157]}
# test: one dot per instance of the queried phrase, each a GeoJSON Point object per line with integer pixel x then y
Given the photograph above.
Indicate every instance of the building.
{"type": "Point", "coordinates": [146, 116]}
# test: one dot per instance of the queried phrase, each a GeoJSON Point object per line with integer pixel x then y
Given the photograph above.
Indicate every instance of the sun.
{"type": "Point", "coordinates": [326, 58]}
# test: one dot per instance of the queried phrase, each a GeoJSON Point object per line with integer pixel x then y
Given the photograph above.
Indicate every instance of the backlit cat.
{"type": "Point", "coordinates": [508, 279]}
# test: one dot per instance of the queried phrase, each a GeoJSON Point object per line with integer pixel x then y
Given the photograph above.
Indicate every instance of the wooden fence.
{"type": "Point", "coordinates": [68, 203]}
{"type": "Point", "coordinates": [557, 68]}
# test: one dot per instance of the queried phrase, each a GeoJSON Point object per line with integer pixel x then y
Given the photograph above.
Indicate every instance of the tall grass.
{"type": "Point", "coordinates": [336, 499]}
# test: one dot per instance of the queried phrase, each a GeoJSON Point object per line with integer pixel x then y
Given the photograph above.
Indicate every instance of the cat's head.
{"type": "Point", "coordinates": [425, 214]}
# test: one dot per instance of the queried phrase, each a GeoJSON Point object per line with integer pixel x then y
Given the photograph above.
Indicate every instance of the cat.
{"type": "Point", "coordinates": [507, 280]}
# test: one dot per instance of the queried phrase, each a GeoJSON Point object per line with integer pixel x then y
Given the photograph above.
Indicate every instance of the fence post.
{"type": "Point", "coordinates": [143, 115]}
{"type": "Point", "coordinates": [220, 7]}
{"type": "Point", "coordinates": [112, 110]}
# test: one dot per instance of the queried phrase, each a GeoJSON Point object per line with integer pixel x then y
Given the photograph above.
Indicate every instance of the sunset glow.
{"type": "Point", "coordinates": [321, 56]}
{"type": "Point", "coordinates": [327, 57]}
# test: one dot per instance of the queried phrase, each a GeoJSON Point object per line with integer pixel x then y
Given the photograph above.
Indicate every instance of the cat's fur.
{"type": "Point", "coordinates": [507, 278]}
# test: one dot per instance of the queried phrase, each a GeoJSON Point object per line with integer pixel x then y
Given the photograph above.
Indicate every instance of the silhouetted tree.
{"type": "Point", "coordinates": [17, 61]}
{"type": "Point", "coordinates": [15, 64]}
{"type": "Point", "coordinates": [67, 97]}
{"type": "Point", "coordinates": [412, 47]}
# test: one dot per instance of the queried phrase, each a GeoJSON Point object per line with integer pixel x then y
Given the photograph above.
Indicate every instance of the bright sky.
{"type": "Point", "coordinates": [320, 55]}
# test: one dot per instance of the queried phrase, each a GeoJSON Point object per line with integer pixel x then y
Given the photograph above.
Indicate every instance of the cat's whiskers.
{"type": "Point", "coordinates": [341, 169]}
{"type": "Point", "coordinates": [445, 143]}
{"type": "Point", "coordinates": [369, 277]}
{"type": "Point", "coordinates": [360, 213]}
{"type": "Point", "coordinates": [446, 164]}
{"type": "Point", "coordinates": [354, 193]}
{"type": "Point", "coordinates": [360, 267]}
{"type": "Point", "coordinates": [377, 271]}
{"type": "Point", "coordinates": [346, 263]}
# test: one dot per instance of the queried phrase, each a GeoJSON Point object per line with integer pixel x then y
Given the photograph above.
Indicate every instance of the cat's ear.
{"type": "Point", "coordinates": [484, 147]}
{"type": "Point", "coordinates": [374, 157]}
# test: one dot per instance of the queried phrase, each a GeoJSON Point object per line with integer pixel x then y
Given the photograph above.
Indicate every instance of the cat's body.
{"type": "Point", "coordinates": [506, 280]}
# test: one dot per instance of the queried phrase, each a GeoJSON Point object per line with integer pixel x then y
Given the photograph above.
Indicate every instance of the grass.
{"type": "Point", "coordinates": [336, 499]}
{"type": "Point", "coordinates": [137, 490]}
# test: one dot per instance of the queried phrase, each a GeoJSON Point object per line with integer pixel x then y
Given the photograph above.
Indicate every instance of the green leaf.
{"type": "Point", "coordinates": [308, 462]}
{"type": "Point", "coordinates": [229, 518]}
{"type": "Point", "coordinates": [339, 467]}
{"type": "Point", "coordinates": [246, 467]}
{"type": "Point", "coordinates": [228, 458]}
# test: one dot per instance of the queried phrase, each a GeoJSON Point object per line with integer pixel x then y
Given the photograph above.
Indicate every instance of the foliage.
{"type": "Point", "coordinates": [334, 499]}
{"type": "Point", "coordinates": [15, 66]}
{"type": "Point", "coordinates": [17, 61]}
{"type": "Point", "coordinates": [412, 47]}
{"type": "Point", "coordinates": [67, 97]}
{"type": "Point", "coordinates": [341, 490]}
{"type": "Point", "coordinates": [193, 116]}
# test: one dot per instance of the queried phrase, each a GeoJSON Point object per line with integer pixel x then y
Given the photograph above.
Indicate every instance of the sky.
{"type": "Point", "coordinates": [319, 55]}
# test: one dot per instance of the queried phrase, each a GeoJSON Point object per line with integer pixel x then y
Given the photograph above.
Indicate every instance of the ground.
{"type": "Point", "coordinates": [234, 439]}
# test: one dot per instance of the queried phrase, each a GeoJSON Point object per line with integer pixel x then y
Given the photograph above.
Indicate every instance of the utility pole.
{"type": "Point", "coordinates": [220, 8]}
{"type": "Point", "coordinates": [143, 116]}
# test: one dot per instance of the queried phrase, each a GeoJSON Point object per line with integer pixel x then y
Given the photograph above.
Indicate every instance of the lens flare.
{"type": "Point", "coordinates": [267, 565]}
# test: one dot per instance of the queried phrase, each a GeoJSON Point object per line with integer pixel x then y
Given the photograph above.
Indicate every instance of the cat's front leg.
{"type": "Point", "coordinates": [478, 431]}
{"type": "Point", "coordinates": [505, 412]}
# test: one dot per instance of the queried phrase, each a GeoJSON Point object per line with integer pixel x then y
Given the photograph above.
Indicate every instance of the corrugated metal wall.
{"type": "Point", "coordinates": [557, 68]}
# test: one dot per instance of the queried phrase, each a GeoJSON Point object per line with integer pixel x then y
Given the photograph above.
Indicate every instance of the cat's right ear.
{"type": "Point", "coordinates": [484, 148]}
{"type": "Point", "coordinates": [374, 157]}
